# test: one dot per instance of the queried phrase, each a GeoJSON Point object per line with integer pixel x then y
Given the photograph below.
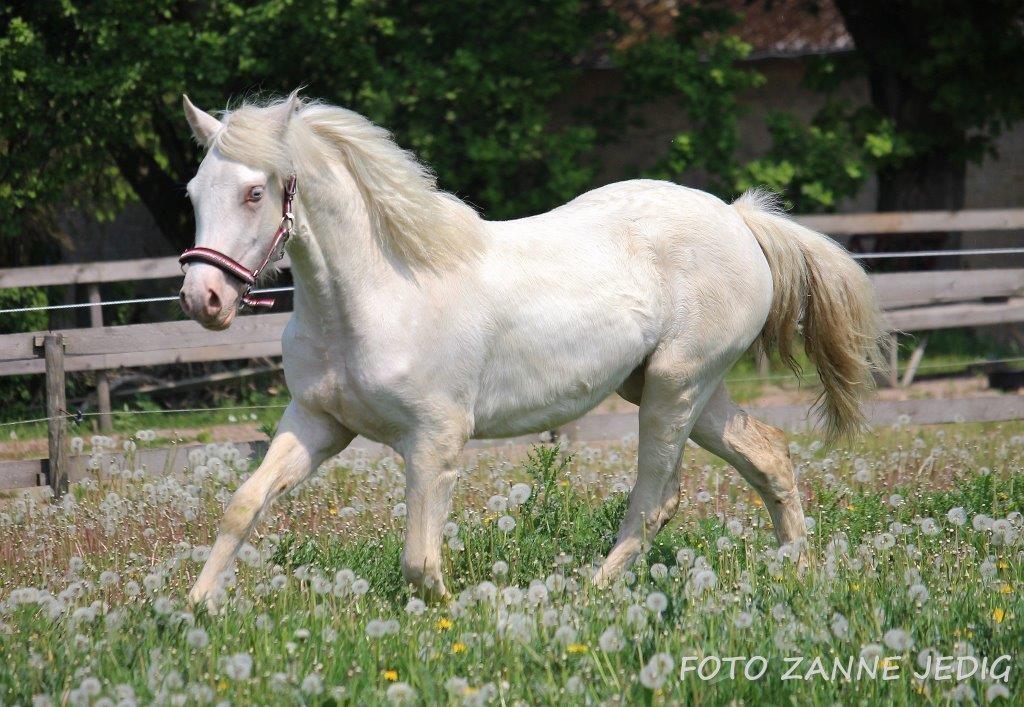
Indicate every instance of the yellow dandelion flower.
{"type": "Point", "coordinates": [576, 648]}
{"type": "Point", "coordinates": [390, 675]}
{"type": "Point", "coordinates": [1006, 588]}
{"type": "Point", "coordinates": [458, 647]}
{"type": "Point", "coordinates": [443, 624]}
{"type": "Point", "coordinates": [1003, 565]}
{"type": "Point", "coordinates": [998, 615]}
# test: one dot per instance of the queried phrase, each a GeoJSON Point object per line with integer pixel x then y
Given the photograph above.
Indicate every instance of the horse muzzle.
{"type": "Point", "coordinates": [208, 297]}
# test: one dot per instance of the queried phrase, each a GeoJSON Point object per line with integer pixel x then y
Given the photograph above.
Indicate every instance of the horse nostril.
{"type": "Point", "coordinates": [184, 301]}
{"type": "Point", "coordinates": [212, 303]}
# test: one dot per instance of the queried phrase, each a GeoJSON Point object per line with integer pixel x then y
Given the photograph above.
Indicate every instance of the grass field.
{"type": "Point", "coordinates": [916, 547]}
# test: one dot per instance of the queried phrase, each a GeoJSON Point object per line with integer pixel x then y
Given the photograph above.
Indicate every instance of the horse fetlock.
{"type": "Point", "coordinates": [425, 576]}
{"type": "Point", "coordinates": [212, 597]}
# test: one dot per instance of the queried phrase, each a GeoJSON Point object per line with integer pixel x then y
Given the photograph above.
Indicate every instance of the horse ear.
{"type": "Point", "coordinates": [204, 126]}
{"type": "Point", "coordinates": [288, 108]}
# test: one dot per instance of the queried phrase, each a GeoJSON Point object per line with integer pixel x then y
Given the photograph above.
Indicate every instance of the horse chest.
{"type": "Point", "coordinates": [359, 396]}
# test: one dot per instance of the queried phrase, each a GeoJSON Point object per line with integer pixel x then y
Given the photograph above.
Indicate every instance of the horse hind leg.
{"type": "Point", "coordinates": [760, 454]}
{"type": "Point", "coordinates": [674, 391]}
{"type": "Point", "coordinates": [631, 390]}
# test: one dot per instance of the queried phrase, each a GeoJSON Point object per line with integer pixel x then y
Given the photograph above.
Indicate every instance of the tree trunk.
{"type": "Point", "coordinates": [932, 179]}
{"type": "Point", "coordinates": [929, 182]}
{"type": "Point", "coordinates": [162, 195]}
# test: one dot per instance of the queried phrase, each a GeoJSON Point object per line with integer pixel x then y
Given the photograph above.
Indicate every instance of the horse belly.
{"type": "Point", "coordinates": [540, 377]}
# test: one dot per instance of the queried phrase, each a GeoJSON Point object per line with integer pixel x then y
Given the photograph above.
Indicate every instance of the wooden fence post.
{"type": "Point", "coordinates": [894, 360]}
{"type": "Point", "coordinates": [56, 411]}
{"type": "Point", "coordinates": [102, 379]}
{"type": "Point", "coordinates": [915, 361]}
{"type": "Point", "coordinates": [764, 365]}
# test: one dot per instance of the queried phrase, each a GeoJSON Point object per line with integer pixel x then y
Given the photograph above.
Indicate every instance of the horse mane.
{"type": "Point", "coordinates": [412, 219]}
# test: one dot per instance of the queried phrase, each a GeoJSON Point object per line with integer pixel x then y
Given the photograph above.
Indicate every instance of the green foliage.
{"type": "Point", "coordinates": [944, 81]}
{"type": "Point", "coordinates": [90, 92]}
{"type": "Point", "coordinates": [815, 166]}
{"type": "Point", "coordinates": [697, 66]}
{"type": "Point", "coordinates": [958, 66]}
{"type": "Point", "coordinates": [19, 392]}
{"type": "Point", "coordinates": [90, 96]}
{"type": "Point", "coordinates": [22, 321]}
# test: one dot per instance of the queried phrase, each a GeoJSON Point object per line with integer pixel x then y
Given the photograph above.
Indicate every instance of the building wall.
{"type": "Point", "coordinates": [997, 183]}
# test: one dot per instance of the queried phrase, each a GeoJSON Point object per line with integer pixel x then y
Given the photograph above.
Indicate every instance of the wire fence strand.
{"type": "Point", "coordinates": [936, 253]}
{"type": "Point", "coordinates": [118, 302]}
{"type": "Point", "coordinates": [922, 367]}
{"type": "Point", "coordinates": [277, 406]}
{"type": "Point", "coordinates": [77, 415]}
{"type": "Point", "coordinates": [275, 290]}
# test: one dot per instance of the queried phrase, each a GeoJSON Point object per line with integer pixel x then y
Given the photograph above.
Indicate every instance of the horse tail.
{"type": "Point", "coordinates": [817, 284]}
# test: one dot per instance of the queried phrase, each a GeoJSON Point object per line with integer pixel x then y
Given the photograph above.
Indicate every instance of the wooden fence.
{"type": "Point", "coordinates": [914, 302]}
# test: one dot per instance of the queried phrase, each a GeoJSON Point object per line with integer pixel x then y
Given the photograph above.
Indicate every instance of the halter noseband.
{"type": "Point", "coordinates": [233, 267]}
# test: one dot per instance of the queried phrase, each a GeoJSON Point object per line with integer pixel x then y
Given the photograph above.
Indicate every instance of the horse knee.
{"type": "Point", "coordinates": [242, 509]}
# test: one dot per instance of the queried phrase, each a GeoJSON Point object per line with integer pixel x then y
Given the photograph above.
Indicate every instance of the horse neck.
{"type": "Point", "coordinates": [337, 263]}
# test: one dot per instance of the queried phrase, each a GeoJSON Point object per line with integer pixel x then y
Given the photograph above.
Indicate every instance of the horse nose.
{"type": "Point", "coordinates": [207, 305]}
{"type": "Point", "coordinates": [211, 304]}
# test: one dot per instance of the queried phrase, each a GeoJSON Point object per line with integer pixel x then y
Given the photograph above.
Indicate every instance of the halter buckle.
{"type": "Point", "coordinates": [278, 253]}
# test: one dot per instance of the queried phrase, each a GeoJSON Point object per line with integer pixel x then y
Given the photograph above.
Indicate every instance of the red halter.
{"type": "Point", "coordinates": [239, 271]}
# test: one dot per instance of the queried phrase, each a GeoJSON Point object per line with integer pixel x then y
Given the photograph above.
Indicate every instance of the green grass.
{"type": "Point", "coordinates": [293, 629]}
{"type": "Point", "coordinates": [262, 409]}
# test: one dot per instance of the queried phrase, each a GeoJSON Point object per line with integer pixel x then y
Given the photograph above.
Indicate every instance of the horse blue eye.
{"type": "Point", "coordinates": [256, 193]}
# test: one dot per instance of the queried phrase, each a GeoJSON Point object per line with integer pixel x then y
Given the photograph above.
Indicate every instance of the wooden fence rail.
{"type": "Point", "coordinates": [913, 302]}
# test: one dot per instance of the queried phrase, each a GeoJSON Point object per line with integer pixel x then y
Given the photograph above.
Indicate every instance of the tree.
{"type": "Point", "coordinates": [90, 93]}
{"type": "Point", "coordinates": [949, 77]}
{"type": "Point", "coordinates": [945, 79]}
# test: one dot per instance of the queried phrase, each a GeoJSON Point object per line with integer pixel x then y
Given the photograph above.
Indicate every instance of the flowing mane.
{"type": "Point", "coordinates": [413, 220]}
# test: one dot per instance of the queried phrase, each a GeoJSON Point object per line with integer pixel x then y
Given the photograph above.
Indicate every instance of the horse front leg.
{"type": "Point", "coordinates": [430, 472]}
{"type": "Point", "coordinates": [304, 439]}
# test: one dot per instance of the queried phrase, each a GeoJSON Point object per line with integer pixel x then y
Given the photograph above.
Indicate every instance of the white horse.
{"type": "Point", "coordinates": [420, 325]}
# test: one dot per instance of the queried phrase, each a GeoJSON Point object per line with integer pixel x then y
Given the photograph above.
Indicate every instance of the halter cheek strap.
{"type": "Point", "coordinates": [234, 268]}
